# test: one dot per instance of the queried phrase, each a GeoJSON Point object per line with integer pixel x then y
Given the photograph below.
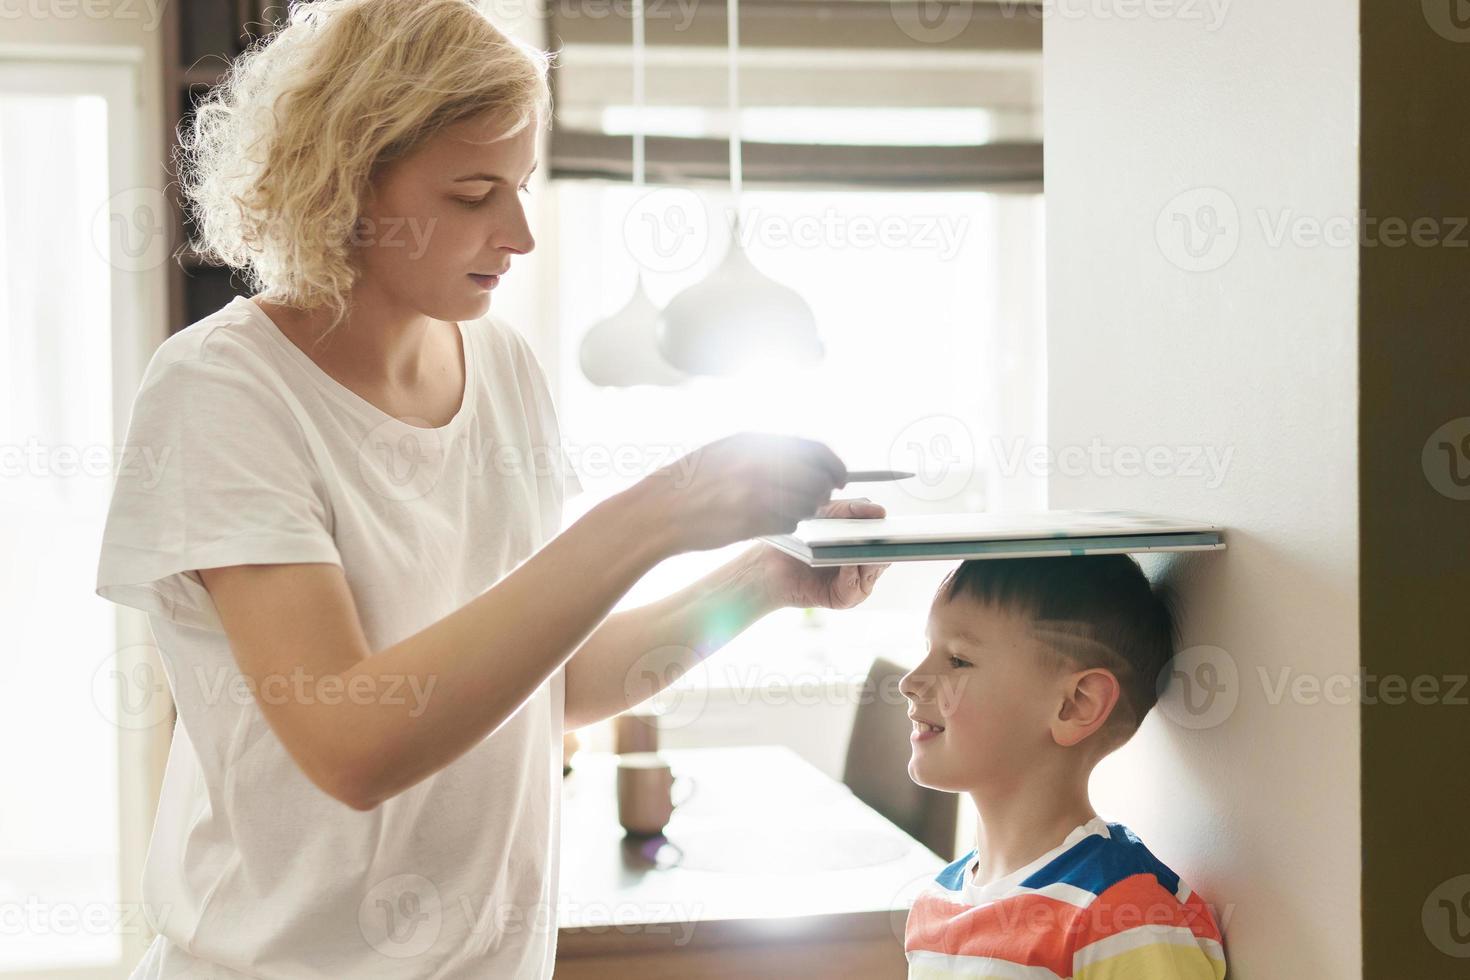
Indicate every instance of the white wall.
{"type": "Point", "coordinates": [1255, 805]}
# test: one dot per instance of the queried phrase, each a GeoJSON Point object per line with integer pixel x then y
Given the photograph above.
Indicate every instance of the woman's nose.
{"type": "Point", "coordinates": [515, 234]}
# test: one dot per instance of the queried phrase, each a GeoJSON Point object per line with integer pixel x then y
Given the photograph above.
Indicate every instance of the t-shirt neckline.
{"type": "Point", "coordinates": [351, 399]}
{"type": "Point", "coordinates": [1002, 886]}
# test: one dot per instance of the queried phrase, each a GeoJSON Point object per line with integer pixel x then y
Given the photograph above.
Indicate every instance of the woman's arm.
{"type": "Point", "coordinates": [364, 726]}
{"type": "Point", "coordinates": [350, 716]}
{"type": "Point", "coordinates": [635, 654]}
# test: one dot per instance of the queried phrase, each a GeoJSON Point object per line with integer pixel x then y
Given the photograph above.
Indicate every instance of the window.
{"type": "Point", "coordinates": [929, 305]}
{"type": "Point", "coordinates": [70, 835]}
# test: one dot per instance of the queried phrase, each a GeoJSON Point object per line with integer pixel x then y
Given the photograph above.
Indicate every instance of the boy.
{"type": "Point", "coordinates": [1036, 669]}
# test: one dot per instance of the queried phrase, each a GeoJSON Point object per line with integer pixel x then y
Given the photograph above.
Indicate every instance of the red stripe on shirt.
{"type": "Point", "coordinates": [1140, 900]}
{"type": "Point", "coordinates": [1031, 930]}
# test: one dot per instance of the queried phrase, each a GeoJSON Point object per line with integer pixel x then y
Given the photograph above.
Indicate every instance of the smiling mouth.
{"type": "Point", "coordinates": [924, 728]}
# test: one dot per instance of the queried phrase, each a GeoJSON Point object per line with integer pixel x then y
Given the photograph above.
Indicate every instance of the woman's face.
{"type": "Point", "coordinates": [442, 222]}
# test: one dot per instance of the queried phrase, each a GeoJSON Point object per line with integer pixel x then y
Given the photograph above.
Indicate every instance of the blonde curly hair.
{"type": "Point", "coordinates": [282, 151]}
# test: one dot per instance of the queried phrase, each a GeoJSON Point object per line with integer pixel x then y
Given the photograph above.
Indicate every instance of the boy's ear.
{"type": "Point", "coordinates": [1088, 699]}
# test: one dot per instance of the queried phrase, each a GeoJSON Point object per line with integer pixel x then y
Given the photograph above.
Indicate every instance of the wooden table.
{"type": "Point", "coordinates": [770, 869]}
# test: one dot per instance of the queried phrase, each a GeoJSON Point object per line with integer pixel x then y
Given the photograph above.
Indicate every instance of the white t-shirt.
{"type": "Point", "coordinates": [241, 450]}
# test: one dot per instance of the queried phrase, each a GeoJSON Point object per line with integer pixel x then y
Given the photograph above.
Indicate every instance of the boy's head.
{"type": "Point", "coordinates": [1032, 661]}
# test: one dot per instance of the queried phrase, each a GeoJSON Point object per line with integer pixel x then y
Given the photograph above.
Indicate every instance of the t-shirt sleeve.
{"type": "Point", "coordinates": [1138, 930]}
{"type": "Point", "coordinates": [215, 471]}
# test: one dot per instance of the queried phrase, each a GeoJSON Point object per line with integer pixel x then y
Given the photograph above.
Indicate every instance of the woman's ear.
{"type": "Point", "coordinates": [1088, 699]}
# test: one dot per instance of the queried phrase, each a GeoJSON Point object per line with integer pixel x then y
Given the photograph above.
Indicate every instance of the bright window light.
{"type": "Point", "coordinates": [59, 823]}
{"type": "Point", "coordinates": [929, 305]}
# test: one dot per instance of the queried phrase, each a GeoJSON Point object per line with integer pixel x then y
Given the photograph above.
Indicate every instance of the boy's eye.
{"type": "Point", "coordinates": [957, 662]}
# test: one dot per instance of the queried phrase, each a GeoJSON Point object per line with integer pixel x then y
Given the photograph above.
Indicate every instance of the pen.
{"type": "Point", "coordinates": [876, 476]}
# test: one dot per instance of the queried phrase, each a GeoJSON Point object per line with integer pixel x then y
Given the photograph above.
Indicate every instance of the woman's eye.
{"type": "Point", "coordinates": [957, 662]}
{"type": "Point", "coordinates": [471, 202]}
{"type": "Point", "coordinates": [525, 188]}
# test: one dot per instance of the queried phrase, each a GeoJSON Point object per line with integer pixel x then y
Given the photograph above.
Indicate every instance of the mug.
{"type": "Point", "coordinates": [646, 793]}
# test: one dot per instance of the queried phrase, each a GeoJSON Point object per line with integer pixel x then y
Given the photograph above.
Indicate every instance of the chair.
{"type": "Point", "coordinates": [876, 769]}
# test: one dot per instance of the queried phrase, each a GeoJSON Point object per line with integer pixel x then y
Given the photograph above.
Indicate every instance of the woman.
{"type": "Point", "coordinates": [347, 533]}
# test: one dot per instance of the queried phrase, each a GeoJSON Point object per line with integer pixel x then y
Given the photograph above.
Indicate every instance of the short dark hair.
{"type": "Point", "coordinates": [1092, 611]}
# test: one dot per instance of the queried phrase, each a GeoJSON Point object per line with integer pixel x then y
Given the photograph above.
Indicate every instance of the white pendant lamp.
{"type": "Point", "coordinates": [622, 350]}
{"type": "Point", "coordinates": [737, 320]}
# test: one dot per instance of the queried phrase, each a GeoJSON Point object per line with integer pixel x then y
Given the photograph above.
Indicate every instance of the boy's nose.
{"type": "Point", "coordinates": [908, 686]}
{"type": "Point", "coordinates": [922, 686]}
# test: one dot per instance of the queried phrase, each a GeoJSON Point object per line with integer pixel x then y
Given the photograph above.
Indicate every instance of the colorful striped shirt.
{"type": "Point", "coordinates": [1099, 906]}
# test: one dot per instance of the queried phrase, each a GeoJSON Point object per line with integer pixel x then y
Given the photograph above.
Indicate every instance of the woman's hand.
{"type": "Point", "coordinates": [791, 582]}
{"type": "Point", "coordinates": [738, 488]}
